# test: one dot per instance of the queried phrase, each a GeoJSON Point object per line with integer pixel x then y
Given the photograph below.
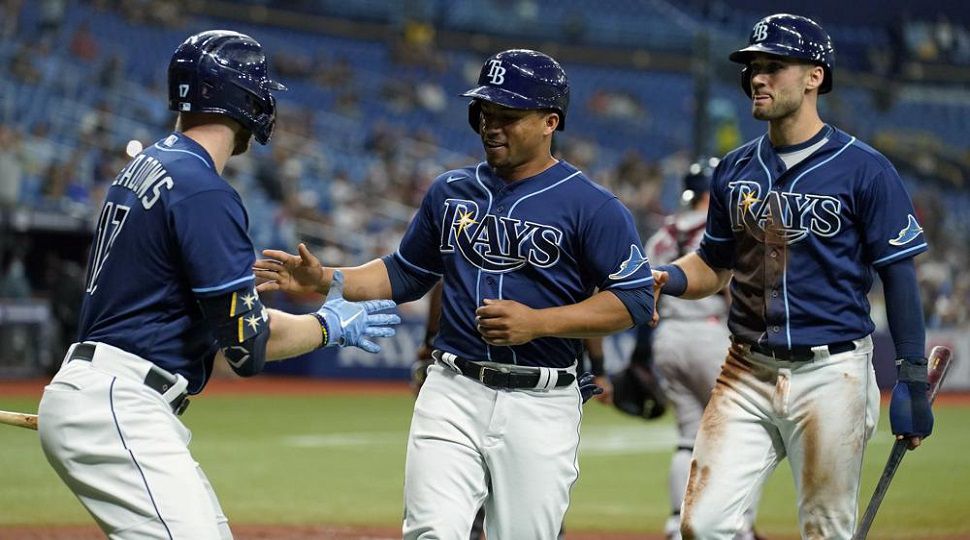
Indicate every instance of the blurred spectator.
{"type": "Point", "coordinates": [39, 150]}
{"type": "Point", "coordinates": [83, 45]}
{"type": "Point", "coordinates": [617, 105]}
{"type": "Point", "coordinates": [112, 73]}
{"type": "Point", "coordinates": [96, 121]}
{"type": "Point", "coordinates": [416, 47]}
{"type": "Point", "coordinates": [22, 66]}
{"type": "Point", "coordinates": [14, 282]}
{"type": "Point", "coordinates": [52, 14]}
{"type": "Point", "coordinates": [398, 95]}
{"type": "Point", "coordinates": [10, 18]}
{"type": "Point", "coordinates": [431, 96]}
{"type": "Point", "coordinates": [334, 74]}
{"type": "Point", "coordinates": [11, 166]}
{"type": "Point", "coordinates": [293, 65]}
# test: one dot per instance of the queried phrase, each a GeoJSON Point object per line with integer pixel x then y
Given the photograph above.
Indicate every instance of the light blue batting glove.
{"type": "Point", "coordinates": [351, 323]}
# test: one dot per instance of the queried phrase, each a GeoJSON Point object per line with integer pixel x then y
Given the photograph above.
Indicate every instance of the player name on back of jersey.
{"type": "Point", "coordinates": [145, 173]}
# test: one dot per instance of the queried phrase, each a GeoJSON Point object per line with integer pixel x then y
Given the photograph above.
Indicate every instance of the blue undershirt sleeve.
{"type": "Point", "coordinates": [904, 308]}
{"type": "Point", "coordinates": [638, 302]}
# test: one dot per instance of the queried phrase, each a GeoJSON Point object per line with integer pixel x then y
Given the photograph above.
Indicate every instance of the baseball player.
{"type": "Point", "coordinates": [521, 241]}
{"type": "Point", "coordinates": [800, 217]}
{"type": "Point", "coordinates": [690, 336]}
{"type": "Point", "coordinates": [169, 283]}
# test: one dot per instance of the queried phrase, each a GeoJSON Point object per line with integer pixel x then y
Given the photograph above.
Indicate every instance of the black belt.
{"type": "Point", "coordinates": [157, 380]}
{"type": "Point", "coordinates": [500, 378]}
{"type": "Point", "coordinates": [797, 354]}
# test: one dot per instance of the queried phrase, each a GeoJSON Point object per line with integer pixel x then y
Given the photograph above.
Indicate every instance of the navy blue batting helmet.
{"type": "Point", "coordinates": [790, 36]}
{"type": "Point", "coordinates": [521, 79]}
{"type": "Point", "coordinates": [698, 177]}
{"type": "Point", "coordinates": [224, 72]}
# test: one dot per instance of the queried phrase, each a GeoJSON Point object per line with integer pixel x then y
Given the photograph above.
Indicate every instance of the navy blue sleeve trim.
{"type": "Point", "coordinates": [407, 284]}
{"type": "Point", "coordinates": [904, 309]}
{"type": "Point", "coordinates": [639, 302]}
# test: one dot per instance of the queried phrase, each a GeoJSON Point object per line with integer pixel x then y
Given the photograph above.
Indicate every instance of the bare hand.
{"type": "Point", "coordinates": [914, 442]}
{"type": "Point", "coordinates": [295, 274]}
{"type": "Point", "coordinates": [505, 322]}
{"type": "Point", "coordinates": [606, 398]}
{"type": "Point", "coordinates": [659, 280]}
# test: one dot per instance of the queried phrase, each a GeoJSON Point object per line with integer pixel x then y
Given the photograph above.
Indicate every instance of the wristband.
{"type": "Point", "coordinates": [676, 280]}
{"type": "Point", "coordinates": [323, 329]}
{"type": "Point", "coordinates": [911, 370]}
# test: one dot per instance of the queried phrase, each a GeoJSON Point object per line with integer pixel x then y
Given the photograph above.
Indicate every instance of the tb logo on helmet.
{"type": "Point", "coordinates": [496, 72]}
{"type": "Point", "coordinates": [759, 32]}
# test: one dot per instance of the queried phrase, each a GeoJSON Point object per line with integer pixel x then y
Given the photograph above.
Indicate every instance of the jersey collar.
{"type": "Point", "coordinates": [767, 155]}
{"type": "Point", "coordinates": [546, 178]}
{"type": "Point", "coordinates": [179, 142]}
{"type": "Point", "coordinates": [826, 131]}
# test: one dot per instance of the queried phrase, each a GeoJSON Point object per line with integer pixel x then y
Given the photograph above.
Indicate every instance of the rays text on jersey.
{"type": "Point", "coordinates": [789, 216]}
{"type": "Point", "coordinates": [497, 243]}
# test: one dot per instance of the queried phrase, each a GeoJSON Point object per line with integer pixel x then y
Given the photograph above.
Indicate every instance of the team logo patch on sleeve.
{"type": "Point", "coordinates": [908, 234]}
{"type": "Point", "coordinates": [631, 264]}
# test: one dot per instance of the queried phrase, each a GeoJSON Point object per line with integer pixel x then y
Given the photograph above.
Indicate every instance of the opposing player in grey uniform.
{"type": "Point", "coordinates": [690, 338]}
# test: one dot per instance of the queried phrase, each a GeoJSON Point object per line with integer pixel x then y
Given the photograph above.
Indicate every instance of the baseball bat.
{"type": "Point", "coordinates": [18, 419]}
{"type": "Point", "coordinates": [937, 365]}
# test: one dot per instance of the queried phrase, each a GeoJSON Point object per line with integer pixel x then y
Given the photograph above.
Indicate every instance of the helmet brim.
{"type": "Point", "coordinates": [275, 86]}
{"type": "Point", "coordinates": [744, 55]}
{"type": "Point", "coordinates": [503, 97]}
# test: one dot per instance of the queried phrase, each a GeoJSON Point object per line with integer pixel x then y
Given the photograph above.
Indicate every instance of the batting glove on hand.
{"type": "Point", "coordinates": [587, 386]}
{"type": "Point", "coordinates": [351, 323]}
{"type": "Point", "coordinates": [909, 409]}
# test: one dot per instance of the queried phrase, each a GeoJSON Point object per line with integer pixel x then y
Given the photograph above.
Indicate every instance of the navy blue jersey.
{"type": "Point", "coordinates": [802, 242]}
{"type": "Point", "coordinates": [546, 241]}
{"type": "Point", "coordinates": [171, 230]}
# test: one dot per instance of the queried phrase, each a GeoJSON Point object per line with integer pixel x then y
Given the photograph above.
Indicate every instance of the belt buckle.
{"type": "Point", "coordinates": [481, 374]}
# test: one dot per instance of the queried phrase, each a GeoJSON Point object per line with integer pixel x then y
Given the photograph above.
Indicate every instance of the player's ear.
{"type": "Point", "coordinates": [551, 122]}
{"type": "Point", "coordinates": [814, 77]}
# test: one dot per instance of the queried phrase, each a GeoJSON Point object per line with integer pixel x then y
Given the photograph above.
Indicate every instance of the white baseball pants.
{"type": "Point", "coordinates": [820, 414]}
{"type": "Point", "coordinates": [516, 451]}
{"type": "Point", "coordinates": [120, 449]}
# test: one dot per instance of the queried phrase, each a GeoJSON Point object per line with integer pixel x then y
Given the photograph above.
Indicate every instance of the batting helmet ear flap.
{"type": "Point", "coordinates": [746, 80]}
{"type": "Point", "coordinates": [474, 114]}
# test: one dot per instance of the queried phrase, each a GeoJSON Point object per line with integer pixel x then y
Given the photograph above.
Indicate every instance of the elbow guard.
{"type": "Point", "coordinates": [241, 328]}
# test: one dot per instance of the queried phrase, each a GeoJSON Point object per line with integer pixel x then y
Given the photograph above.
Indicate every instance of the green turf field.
{"type": "Point", "coordinates": [339, 460]}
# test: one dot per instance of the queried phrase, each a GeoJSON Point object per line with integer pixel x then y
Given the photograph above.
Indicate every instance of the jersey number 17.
{"type": "Point", "coordinates": [109, 225]}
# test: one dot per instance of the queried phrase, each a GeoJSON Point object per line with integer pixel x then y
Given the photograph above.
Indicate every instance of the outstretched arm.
{"type": "Point", "coordinates": [249, 334]}
{"type": "Point", "coordinates": [303, 274]}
